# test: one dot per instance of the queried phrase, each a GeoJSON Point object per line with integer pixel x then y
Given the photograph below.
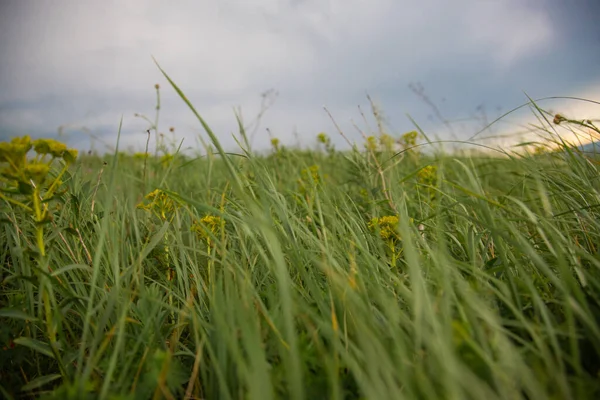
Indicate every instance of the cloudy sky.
{"type": "Point", "coordinates": [84, 65]}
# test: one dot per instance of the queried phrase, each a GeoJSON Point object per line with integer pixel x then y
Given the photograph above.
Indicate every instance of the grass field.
{"type": "Point", "coordinates": [378, 273]}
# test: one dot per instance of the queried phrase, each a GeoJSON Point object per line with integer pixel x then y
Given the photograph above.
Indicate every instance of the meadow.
{"type": "Point", "coordinates": [382, 272]}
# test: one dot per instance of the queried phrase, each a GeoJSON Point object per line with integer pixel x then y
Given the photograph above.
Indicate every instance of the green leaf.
{"type": "Point", "coordinates": [492, 263]}
{"type": "Point", "coordinates": [86, 188]}
{"type": "Point", "coordinates": [40, 381]}
{"type": "Point", "coordinates": [70, 267]}
{"type": "Point", "coordinates": [25, 188]}
{"type": "Point", "coordinates": [160, 235]}
{"type": "Point", "coordinates": [76, 206]}
{"type": "Point", "coordinates": [35, 345]}
{"type": "Point", "coordinates": [16, 314]}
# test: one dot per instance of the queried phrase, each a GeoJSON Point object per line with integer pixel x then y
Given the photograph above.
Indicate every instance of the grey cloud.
{"type": "Point", "coordinates": [89, 63]}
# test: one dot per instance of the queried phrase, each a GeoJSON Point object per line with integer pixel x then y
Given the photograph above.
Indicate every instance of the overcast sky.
{"type": "Point", "coordinates": [85, 64]}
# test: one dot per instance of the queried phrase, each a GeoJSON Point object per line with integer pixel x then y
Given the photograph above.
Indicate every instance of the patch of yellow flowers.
{"type": "Point", "coordinates": [19, 169]}
{"type": "Point", "coordinates": [309, 178]}
{"type": "Point", "coordinates": [160, 204]}
{"type": "Point", "coordinates": [428, 175]}
{"type": "Point", "coordinates": [371, 143]}
{"type": "Point", "coordinates": [29, 177]}
{"type": "Point", "coordinates": [275, 144]}
{"type": "Point", "coordinates": [409, 139]}
{"type": "Point", "coordinates": [387, 226]}
{"type": "Point", "coordinates": [326, 141]}
{"type": "Point", "coordinates": [167, 159]}
{"type": "Point", "coordinates": [208, 223]}
{"type": "Point", "coordinates": [323, 138]}
{"type": "Point", "coordinates": [27, 182]}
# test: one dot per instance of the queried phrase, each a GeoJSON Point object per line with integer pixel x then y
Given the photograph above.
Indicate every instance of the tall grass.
{"type": "Point", "coordinates": [373, 274]}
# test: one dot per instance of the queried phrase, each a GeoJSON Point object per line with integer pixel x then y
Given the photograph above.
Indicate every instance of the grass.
{"type": "Point", "coordinates": [377, 273]}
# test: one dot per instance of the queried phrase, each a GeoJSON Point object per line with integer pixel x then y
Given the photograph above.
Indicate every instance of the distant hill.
{"type": "Point", "coordinates": [592, 147]}
{"type": "Point", "coordinates": [588, 150]}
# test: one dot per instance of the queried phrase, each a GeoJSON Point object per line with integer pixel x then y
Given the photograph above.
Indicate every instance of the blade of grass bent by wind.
{"type": "Point", "coordinates": [528, 103]}
{"type": "Point", "coordinates": [421, 131]}
{"type": "Point", "coordinates": [208, 130]}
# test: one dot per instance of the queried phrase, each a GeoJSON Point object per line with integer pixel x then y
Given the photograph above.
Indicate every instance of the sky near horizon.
{"type": "Point", "coordinates": [84, 65]}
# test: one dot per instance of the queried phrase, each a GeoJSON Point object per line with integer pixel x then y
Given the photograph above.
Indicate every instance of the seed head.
{"type": "Point", "coordinates": [558, 118]}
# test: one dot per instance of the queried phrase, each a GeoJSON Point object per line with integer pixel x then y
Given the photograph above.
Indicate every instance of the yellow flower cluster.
{"type": "Point", "coordinates": [55, 149]}
{"type": "Point", "coordinates": [208, 223]}
{"type": "Point", "coordinates": [166, 160]}
{"type": "Point", "coordinates": [275, 143]}
{"type": "Point", "coordinates": [19, 169]}
{"type": "Point", "coordinates": [160, 203]}
{"type": "Point", "coordinates": [311, 172]}
{"type": "Point", "coordinates": [409, 139]}
{"type": "Point", "coordinates": [371, 144]}
{"type": "Point", "coordinates": [323, 138]}
{"type": "Point", "coordinates": [29, 177]}
{"type": "Point", "coordinates": [428, 175]}
{"type": "Point", "coordinates": [384, 142]}
{"type": "Point", "coordinates": [310, 177]}
{"type": "Point", "coordinates": [387, 226]}
{"type": "Point", "coordinates": [140, 156]}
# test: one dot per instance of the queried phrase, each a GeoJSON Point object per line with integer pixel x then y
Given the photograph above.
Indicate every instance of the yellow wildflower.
{"type": "Point", "coordinates": [322, 138]}
{"type": "Point", "coordinates": [371, 144]}
{"type": "Point", "coordinates": [140, 156]}
{"type": "Point", "coordinates": [49, 146]}
{"type": "Point", "coordinates": [36, 172]}
{"type": "Point", "coordinates": [166, 159]}
{"type": "Point", "coordinates": [310, 177]}
{"type": "Point", "coordinates": [208, 223]}
{"type": "Point", "coordinates": [29, 177]}
{"type": "Point", "coordinates": [21, 145]}
{"type": "Point", "coordinates": [409, 139]}
{"type": "Point", "coordinates": [15, 153]}
{"type": "Point", "coordinates": [70, 155]}
{"type": "Point", "coordinates": [275, 143]}
{"type": "Point", "coordinates": [20, 169]}
{"type": "Point", "coordinates": [387, 226]}
{"type": "Point", "coordinates": [311, 172]}
{"type": "Point", "coordinates": [428, 175]}
{"type": "Point", "coordinates": [160, 203]}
